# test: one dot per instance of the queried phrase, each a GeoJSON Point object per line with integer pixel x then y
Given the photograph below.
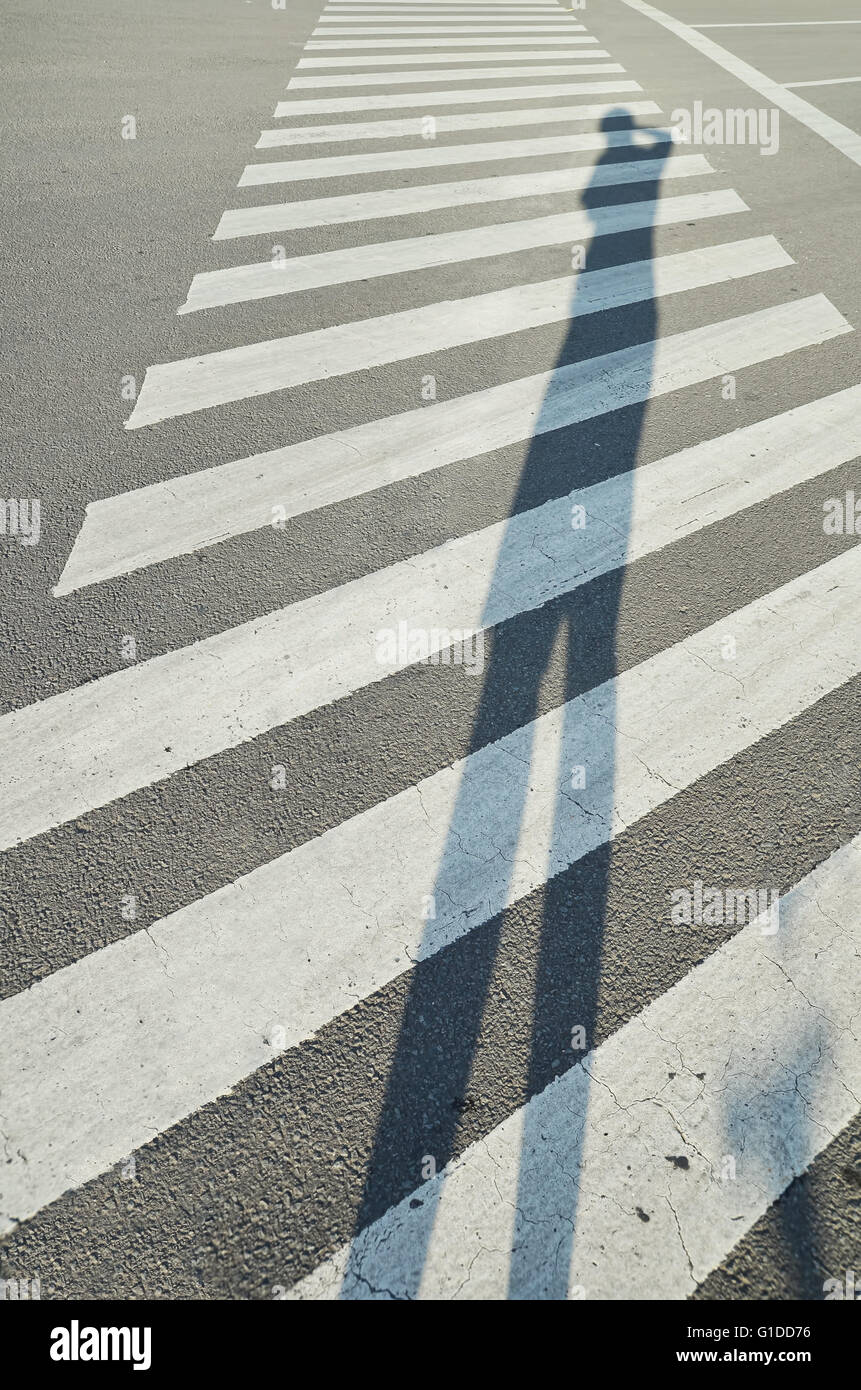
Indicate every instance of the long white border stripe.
{"type": "Point", "coordinates": [233, 374]}
{"type": "Point", "coordinates": [106, 1053]}
{"type": "Point", "coordinates": [765, 1027]}
{"type": "Point", "coordinates": [847, 141]}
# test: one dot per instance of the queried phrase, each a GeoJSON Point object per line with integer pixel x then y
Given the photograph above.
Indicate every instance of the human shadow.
{"type": "Point", "coordinates": [439, 1032]}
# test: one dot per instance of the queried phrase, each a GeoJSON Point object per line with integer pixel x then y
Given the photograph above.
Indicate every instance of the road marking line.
{"type": "Point", "coordinates": [516, 31]}
{"type": "Point", "coordinates": [434, 157]}
{"type": "Point", "coordinates": [184, 514]}
{"type": "Point", "coordinates": [376, 79]}
{"type": "Point", "coordinates": [403, 202]}
{"type": "Point", "coordinates": [411, 127]}
{"type": "Point", "coordinates": [238, 284]}
{"type": "Point", "coordinates": [761, 1035]}
{"type": "Point", "coordinates": [847, 141]}
{"type": "Point", "coordinates": [428, 100]}
{"type": "Point", "coordinates": [778, 24]}
{"type": "Point", "coordinates": [379, 60]}
{"type": "Point", "coordinates": [824, 82]}
{"type": "Point", "coordinates": [105, 1053]}
{"type": "Point", "coordinates": [517, 45]}
{"type": "Point", "coordinates": [362, 18]}
{"type": "Point", "coordinates": [446, 7]}
{"type": "Point", "coordinates": [257, 369]}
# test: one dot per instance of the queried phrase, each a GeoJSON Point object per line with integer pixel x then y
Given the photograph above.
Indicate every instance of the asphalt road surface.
{"type": "Point", "coordinates": [429, 650]}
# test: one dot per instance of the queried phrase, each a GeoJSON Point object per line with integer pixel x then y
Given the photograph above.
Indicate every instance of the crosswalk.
{"type": "Point", "coordinates": [523, 300]}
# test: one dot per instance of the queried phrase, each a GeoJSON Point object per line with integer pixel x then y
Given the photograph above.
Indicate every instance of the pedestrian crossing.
{"type": "Point", "coordinates": [561, 1187]}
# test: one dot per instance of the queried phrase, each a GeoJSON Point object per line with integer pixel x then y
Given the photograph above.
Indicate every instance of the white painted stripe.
{"type": "Point", "coordinates": [518, 54]}
{"type": "Point", "coordinates": [353, 263]}
{"type": "Point", "coordinates": [434, 157]}
{"type": "Point", "coordinates": [374, 79]}
{"type": "Point", "coordinates": [763, 1028]}
{"type": "Point", "coordinates": [336, 14]}
{"type": "Point", "coordinates": [428, 100]}
{"type": "Point", "coordinates": [847, 141]}
{"type": "Point", "coordinates": [216, 378]}
{"type": "Point", "coordinates": [412, 126]}
{"type": "Point", "coordinates": [447, 7]}
{"type": "Point", "coordinates": [778, 24]}
{"type": "Point", "coordinates": [199, 509]}
{"type": "Point", "coordinates": [517, 45]}
{"type": "Point", "coordinates": [824, 82]}
{"type": "Point", "coordinates": [402, 202]}
{"type": "Point", "coordinates": [482, 9]}
{"type": "Point", "coordinates": [410, 14]}
{"type": "Point", "coordinates": [569, 31]}
{"type": "Point", "coordinates": [392, 14]}
{"type": "Point", "coordinates": [451, 7]}
{"type": "Point", "coordinates": [102, 1055]}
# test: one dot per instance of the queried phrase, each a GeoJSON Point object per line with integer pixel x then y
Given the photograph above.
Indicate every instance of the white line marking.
{"type": "Point", "coordinates": [379, 60]}
{"type": "Point", "coordinates": [428, 100]}
{"type": "Point", "coordinates": [397, 202]}
{"type": "Point", "coordinates": [353, 263]}
{"type": "Point", "coordinates": [376, 79]}
{"type": "Point", "coordinates": [516, 35]}
{"type": "Point", "coordinates": [362, 18]}
{"type": "Point", "coordinates": [847, 141]}
{"type": "Point", "coordinates": [199, 509]}
{"type": "Point", "coordinates": [568, 31]}
{"type": "Point", "coordinates": [233, 374]}
{"type": "Point", "coordinates": [778, 24]}
{"type": "Point", "coordinates": [412, 14]}
{"type": "Point", "coordinates": [479, 8]}
{"type": "Point", "coordinates": [433, 157]}
{"type": "Point", "coordinates": [447, 7]}
{"type": "Point", "coordinates": [411, 127]}
{"type": "Point", "coordinates": [754, 1053]}
{"type": "Point", "coordinates": [824, 82]}
{"type": "Point", "coordinates": [102, 1055]}
{"type": "Point", "coordinates": [517, 45]}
